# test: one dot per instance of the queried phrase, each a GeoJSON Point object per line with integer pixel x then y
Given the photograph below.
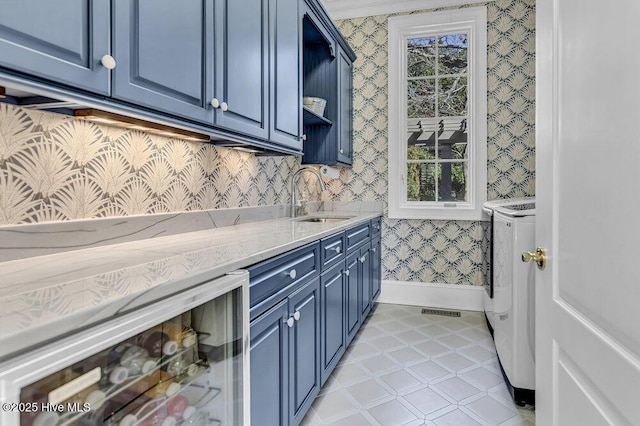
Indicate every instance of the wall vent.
{"type": "Point", "coordinates": [429, 311]}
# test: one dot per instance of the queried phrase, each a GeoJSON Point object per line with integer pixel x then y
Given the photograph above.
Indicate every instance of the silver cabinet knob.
{"type": "Point", "coordinates": [374, 249]}
{"type": "Point", "coordinates": [296, 315]}
{"type": "Point", "coordinates": [304, 137]}
{"type": "Point", "coordinates": [362, 259]}
{"type": "Point", "coordinates": [108, 62]}
{"type": "Point", "coordinates": [346, 272]}
{"type": "Point", "coordinates": [341, 151]}
{"type": "Point", "coordinates": [290, 322]}
{"type": "Point", "coordinates": [224, 106]}
{"type": "Point", "coordinates": [293, 274]}
{"type": "Point", "coordinates": [215, 103]}
{"type": "Point", "coordinates": [338, 249]}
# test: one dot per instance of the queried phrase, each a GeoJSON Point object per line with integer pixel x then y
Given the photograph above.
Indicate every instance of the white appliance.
{"type": "Point", "coordinates": [509, 300]}
{"type": "Point", "coordinates": [179, 361]}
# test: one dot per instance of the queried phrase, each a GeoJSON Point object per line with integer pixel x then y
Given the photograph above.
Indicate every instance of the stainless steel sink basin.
{"type": "Point", "coordinates": [324, 219]}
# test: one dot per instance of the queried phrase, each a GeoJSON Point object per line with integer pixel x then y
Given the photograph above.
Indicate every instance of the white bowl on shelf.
{"type": "Point", "coordinates": [316, 105]}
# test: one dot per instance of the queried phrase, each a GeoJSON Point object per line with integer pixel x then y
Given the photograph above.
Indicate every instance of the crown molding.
{"type": "Point", "coordinates": [345, 9]}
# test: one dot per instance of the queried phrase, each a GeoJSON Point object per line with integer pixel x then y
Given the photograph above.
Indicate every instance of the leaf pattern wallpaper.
{"type": "Point", "coordinates": [55, 168]}
{"type": "Point", "coordinates": [450, 252]}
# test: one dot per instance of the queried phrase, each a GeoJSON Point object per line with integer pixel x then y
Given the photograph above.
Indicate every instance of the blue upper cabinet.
{"type": "Point", "coordinates": [62, 41]}
{"type": "Point", "coordinates": [327, 74]}
{"type": "Point", "coordinates": [164, 55]}
{"type": "Point", "coordinates": [285, 121]}
{"type": "Point", "coordinates": [242, 78]}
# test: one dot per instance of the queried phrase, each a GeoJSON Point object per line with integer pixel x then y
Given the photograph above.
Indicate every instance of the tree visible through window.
{"type": "Point", "coordinates": [437, 116]}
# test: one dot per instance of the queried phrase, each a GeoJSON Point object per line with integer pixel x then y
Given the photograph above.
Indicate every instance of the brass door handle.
{"type": "Point", "coordinates": [540, 257]}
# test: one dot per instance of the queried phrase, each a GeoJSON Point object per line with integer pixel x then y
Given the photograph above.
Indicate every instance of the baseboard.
{"type": "Point", "coordinates": [449, 296]}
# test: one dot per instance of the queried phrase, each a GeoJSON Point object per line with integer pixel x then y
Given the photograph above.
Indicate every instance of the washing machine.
{"type": "Point", "coordinates": [510, 295]}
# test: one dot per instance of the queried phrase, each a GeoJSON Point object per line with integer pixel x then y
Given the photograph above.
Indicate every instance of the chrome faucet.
{"type": "Point", "coordinates": [294, 203]}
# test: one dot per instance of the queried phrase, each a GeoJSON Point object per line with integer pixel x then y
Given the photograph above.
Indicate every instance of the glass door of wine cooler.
{"type": "Point", "coordinates": [188, 366]}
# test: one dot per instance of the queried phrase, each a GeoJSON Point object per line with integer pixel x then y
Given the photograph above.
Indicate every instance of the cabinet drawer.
{"type": "Point", "coordinates": [332, 250]}
{"type": "Point", "coordinates": [376, 226]}
{"type": "Point", "coordinates": [274, 279]}
{"type": "Point", "coordinates": [357, 235]}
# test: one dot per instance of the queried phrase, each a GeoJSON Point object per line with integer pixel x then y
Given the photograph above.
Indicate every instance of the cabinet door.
{"type": "Point", "coordinates": [269, 364]}
{"type": "Point", "coordinates": [365, 280]}
{"type": "Point", "coordinates": [352, 313]}
{"type": "Point", "coordinates": [345, 109]}
{"type": "Point", "coordinates": [376, 269]}
{"type": "Point", "coordinates": [242, 43]}
{"type": "Point", "coordinates": [164, 55]}
{"type": "Point", "coordinates": [332, 314]}
{"type": "Point", "coordinates": [304, 352]}
{"type": "Point", "coordinates": [285, 68]}
{"type": "Point", "coordinates": [60, 40]}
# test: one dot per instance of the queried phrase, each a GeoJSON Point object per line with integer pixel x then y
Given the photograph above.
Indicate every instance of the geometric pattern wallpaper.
{"type": "Point", "coordinates": [55, 168]}
{"type": "Point", "coordinates": [450, 252]}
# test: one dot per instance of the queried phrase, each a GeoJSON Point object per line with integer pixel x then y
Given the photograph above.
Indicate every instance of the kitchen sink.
{"type": "Point", "coordinates": [327, 219]}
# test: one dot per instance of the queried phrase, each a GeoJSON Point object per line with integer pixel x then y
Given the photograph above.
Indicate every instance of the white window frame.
{"type": "Point", "coordinates": [472, 21]}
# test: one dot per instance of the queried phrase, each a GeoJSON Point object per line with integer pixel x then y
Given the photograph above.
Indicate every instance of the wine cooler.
{"type": "Point", "coordinates": [182, 360]}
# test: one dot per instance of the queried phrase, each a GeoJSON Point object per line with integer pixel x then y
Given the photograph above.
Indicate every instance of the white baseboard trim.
{"type": "Point", "coordinates": [449, 296]}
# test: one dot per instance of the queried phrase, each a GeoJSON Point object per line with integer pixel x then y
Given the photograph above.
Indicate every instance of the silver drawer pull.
{"type": "Point", "coordinates": [293, 274]}
{"type": "Point", "coordinates": [346, 272]}
{"type": "Point", "coordinates": [290, 322]}
{"type": "Point", "coordinates": [337, 249]}
{"type": "Point", "coordinates": [362, 259]}
{"type": "Point", "coordinates": [296, 315]}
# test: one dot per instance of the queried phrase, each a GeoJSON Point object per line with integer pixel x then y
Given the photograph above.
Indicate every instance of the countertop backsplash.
{"type": "Point", "coordinates": [57, 168]}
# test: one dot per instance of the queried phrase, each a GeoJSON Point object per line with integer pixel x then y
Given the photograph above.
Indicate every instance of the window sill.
{"type": "Point", "coordinates": [438, 213]}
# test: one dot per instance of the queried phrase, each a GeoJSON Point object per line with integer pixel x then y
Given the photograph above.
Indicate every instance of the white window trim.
{"type": "Point", "coordinates": [474, 21]}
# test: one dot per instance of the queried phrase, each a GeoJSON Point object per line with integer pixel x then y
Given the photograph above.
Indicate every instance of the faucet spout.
{"type": "Point", "coordinates": [323, 186]}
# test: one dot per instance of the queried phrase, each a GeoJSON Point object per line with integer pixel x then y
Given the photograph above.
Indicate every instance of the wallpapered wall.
{"type": "Point", "coordinates": [452, 252]}
{"type": "Point", "coordinates": [54, 167]}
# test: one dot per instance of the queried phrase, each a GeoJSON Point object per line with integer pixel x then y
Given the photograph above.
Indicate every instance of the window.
{"type": "Point", "coordinates": [437, 115]}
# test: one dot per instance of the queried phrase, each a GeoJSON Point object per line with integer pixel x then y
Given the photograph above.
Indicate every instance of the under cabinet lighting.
{"type": "Point", "coordinates": [3, 92]}
{"type": "Point", "coordinates": [111, 119]}
{"type": "Point", "coordinates": [245, 149]}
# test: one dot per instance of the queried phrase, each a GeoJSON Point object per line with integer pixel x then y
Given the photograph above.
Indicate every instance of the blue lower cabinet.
{"type": "Point", "coordinates": [332, 313]}
{"type": "Point", "coordinates": [304, 349]}
{"type": "Point", "coordinates": [376, 268]}
{"type": "Point", "coordinates": [365, 280]}
{"type": "Point", "coordinates": [352, 305]}
{"type": "Point", "coordinates": [269, 366]}
{"type": "Point", "coordinates": [307, 305]}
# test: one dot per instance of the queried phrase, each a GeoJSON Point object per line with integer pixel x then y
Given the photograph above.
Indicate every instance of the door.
{"type": "Point", "coordinates": [164, 55]}
{"type": "Point", "coordinates": [352, 290]}
{"type": "Point", "coordinates": [285, 68]}
{"type": "Point", "coordinates": [376, 269]}
{"type": "Point", "coordinates": [62, 40]}
{"type": "Point", "coordinates": [345, 109]}
{"type": "Point", "coordinates": [304, 352]}
{"type": "Point", "coordinates": [365, 280]}
{"type": "Point", "coordinates": [332, 339]}
{"type": "Point", "coordinates": [269, 357]}
{"type": "Point", "coordinates": [587, 156]}
{"type": "Point", "coordinates": [242, 85]}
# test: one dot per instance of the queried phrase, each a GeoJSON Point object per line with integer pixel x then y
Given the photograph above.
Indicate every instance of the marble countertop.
{"type": "Point", "coordinates": [45, 297]}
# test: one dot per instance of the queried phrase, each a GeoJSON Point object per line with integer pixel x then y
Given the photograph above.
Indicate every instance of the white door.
{"type": "Point", "coordinates": [588, 212]}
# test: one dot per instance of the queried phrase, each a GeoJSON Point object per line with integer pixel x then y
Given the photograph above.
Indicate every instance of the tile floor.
{"type": "Point", "coordinates": [406, 368]}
